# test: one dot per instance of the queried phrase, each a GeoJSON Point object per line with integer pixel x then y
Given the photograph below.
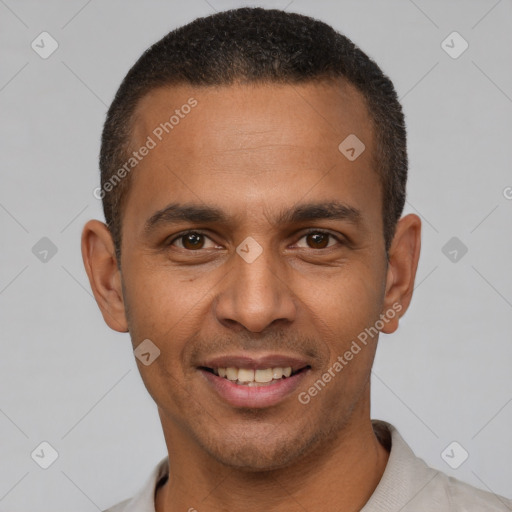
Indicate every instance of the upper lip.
{"type": "Point", "coordinates": [256, 362]}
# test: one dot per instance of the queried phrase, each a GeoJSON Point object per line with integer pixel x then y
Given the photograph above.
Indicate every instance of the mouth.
{"type": "Point", "coordinates": [254, 382]}
{"type": "Point", "coordinates": [255, 377]}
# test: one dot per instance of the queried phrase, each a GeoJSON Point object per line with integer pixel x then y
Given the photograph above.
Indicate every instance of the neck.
{"type": "Point", "coordinates": [344, 470]}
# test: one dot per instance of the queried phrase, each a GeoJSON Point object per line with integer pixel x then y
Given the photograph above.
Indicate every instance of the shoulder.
{"type": "Point", "coordinates": [410, 485]}
{"type": "Point", "coordinates": [460, 496]}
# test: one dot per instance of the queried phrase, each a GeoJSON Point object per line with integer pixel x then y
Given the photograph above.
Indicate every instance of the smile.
{"type": "Point", "coordinates": [253, 382]}
{"type": "Point", "coordinates": [254, 377]}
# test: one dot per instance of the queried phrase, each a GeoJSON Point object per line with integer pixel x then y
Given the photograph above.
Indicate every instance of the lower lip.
{"type": "Point", "coordinates": [239, 395]}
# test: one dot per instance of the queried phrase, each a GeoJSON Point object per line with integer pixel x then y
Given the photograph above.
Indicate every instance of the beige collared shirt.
{"type": "Point", "coordinates": [407, 485]}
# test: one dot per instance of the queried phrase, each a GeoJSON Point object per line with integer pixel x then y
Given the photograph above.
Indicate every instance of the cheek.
{"type": "Point", "coordinates": [345, 312]}
{"type": "Point", "coordinates": [160, 301]}
{"type": "Point", "coordinates": [347, 302]}
{"type": "Point", "coordinates": [169, 310]}
{"type": "Point", "coordinates": [164, 311]}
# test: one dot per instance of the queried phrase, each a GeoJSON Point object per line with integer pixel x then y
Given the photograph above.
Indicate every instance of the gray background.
{"type": "Point", "coordinates": [65, 378]}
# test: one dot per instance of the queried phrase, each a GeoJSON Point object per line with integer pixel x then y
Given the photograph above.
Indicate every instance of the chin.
{"type": "Point", "coordinates": [259, 453]}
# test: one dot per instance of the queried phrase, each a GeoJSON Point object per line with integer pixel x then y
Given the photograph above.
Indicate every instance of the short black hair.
{"type": "Point", "coordinates": [250, 45]}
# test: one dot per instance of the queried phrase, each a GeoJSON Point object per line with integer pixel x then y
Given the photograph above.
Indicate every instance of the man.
{"type": "Point", "coordinates": [253, 175]}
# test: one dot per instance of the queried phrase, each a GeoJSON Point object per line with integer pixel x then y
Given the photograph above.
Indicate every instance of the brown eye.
{"type": "Point", "coordinates": [191, 241]}
{"type": "Point", "coordinates": [318, 239]}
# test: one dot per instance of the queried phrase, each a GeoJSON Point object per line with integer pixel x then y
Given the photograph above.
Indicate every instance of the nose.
{"type": "Point", "coordinates": [255, 294]}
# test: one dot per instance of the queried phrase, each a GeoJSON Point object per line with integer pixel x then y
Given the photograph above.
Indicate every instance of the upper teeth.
{"type": "Point", "coordinates": [248, 375]}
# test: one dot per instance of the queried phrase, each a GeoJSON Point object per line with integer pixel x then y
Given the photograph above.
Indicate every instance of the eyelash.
{"type": "Point", "coordinates": [199, 232]}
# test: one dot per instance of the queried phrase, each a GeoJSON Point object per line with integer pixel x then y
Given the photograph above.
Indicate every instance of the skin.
{"type": "Point", "coordinates": [254, 151]}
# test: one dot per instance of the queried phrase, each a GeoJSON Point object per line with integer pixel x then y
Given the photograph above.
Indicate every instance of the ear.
{"type": "Point", "coordinates": [98, 253]}
{"type": "Point", "coordinates": [404, 255]}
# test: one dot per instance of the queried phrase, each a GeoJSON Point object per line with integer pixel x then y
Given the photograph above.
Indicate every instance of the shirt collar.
{"type": "Point", "coordinates": [404, 477]}
{"type": "Point", "coordinates": [144, 500]}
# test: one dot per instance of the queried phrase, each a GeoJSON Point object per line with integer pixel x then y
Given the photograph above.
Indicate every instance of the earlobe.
{"type": "Point", "coordinates": [100, 263]}
{"type": "Point", "coordinates": [404, 255]}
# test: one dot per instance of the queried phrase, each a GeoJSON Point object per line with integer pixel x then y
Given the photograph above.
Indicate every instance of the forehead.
{"type": "Point", "coordinates": [251, 145]}
{"type": "Point", "coordinates": [320, 112]}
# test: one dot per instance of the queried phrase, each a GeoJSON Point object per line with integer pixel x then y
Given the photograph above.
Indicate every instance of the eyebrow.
{"type": "Point", "coordinates": [195, 213]}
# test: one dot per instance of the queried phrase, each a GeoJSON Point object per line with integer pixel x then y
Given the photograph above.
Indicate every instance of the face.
{"type": "Point", "coordinates": [252, 247]}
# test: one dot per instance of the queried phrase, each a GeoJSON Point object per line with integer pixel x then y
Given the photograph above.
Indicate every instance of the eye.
{"type": "Point", "coordinates": [191, 240]}
{"type": "Point", "coordinates": [195, 240]}
{"type": "Point", "coordinates": [319, 239]}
